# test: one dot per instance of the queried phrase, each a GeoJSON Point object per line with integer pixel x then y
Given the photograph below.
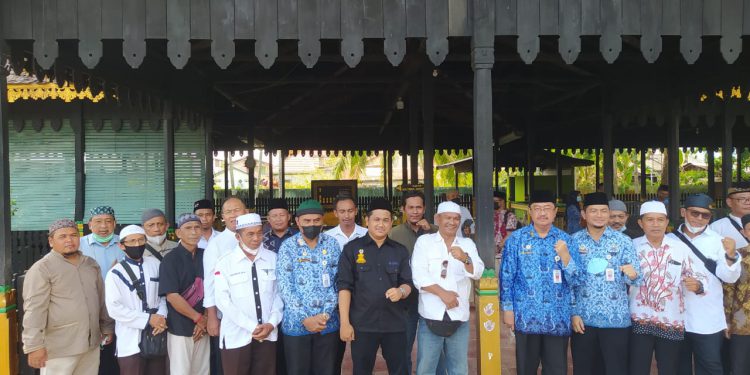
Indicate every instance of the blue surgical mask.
{"type": "Point", "coordinates": [101, 239]}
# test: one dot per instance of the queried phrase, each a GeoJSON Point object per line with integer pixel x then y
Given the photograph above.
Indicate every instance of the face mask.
{"type": "Point", "coordinates": [456, 201]}
{"type": "Point", "coordinates": [247, 249]}
{"type": "Point", "coordinates": [578, 198]}
{"type": "Point", "coordinates": [157, 240]}
{"type": "Point", "coordinates": [312, 232]}
{"type": "Point", "coordinates": [135, 252]}
{"type": "Point", "coordinates": [496, 205]}
{"type": "Point", "coordinates": [101, 239]}
{"type": "Point", "coordinates": [693, 229]}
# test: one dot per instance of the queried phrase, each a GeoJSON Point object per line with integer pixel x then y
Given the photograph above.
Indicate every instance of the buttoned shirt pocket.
{"type": "Point", "coordinates": [361, 269]}
{"type": "Point", "coordinates": [266, 278]}
{"type": "Point", "coordinates": [239, 284]}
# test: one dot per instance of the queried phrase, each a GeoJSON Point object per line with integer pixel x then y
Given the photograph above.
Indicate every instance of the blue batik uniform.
{"type": "Point", "coordinates": [307, 282]}
{"type": "Point", "coordinates": [602, 300]}
{"type": "Point", "coordinates": [540, 305]}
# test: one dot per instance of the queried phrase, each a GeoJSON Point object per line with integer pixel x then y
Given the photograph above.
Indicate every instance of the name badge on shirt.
{"type": "Point", "coordinates": [609, 274]}
{"type": "Point", "coordinates": [326, 280]}
{"type": "Point", "coordinates": [557, 276]}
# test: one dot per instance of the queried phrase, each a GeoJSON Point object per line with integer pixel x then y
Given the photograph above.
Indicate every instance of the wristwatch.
{"type": "Point", "coordinates": [736, 256]}
{"type": "Point", "coordinates": [403, 292]}
{"type": "Point", "coordinates": [468, 260]}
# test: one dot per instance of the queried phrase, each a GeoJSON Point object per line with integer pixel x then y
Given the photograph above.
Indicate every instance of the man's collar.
{"type": "Point", "coordinates": [133, 261]}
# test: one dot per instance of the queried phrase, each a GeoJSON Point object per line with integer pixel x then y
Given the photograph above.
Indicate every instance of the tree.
{"type": "Point", "coordinates": [350, 166]}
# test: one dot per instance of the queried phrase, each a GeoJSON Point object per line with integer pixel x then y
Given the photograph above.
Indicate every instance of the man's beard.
{"type": "Point", "coordinates": [70, 254]}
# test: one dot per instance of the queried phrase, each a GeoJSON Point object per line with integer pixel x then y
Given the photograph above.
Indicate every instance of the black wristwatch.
{"type": "Point", "coordinates": [468, 259]}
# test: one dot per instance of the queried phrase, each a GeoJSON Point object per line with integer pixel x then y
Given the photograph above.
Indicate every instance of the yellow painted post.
{"type": "Point", "coordinates": [8, 331]}
{"type": "Point", "coordinates": [488, 324]}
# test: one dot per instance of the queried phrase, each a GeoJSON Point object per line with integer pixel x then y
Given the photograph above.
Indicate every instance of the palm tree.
{"type": "Point", "coordinates": [350, 166]}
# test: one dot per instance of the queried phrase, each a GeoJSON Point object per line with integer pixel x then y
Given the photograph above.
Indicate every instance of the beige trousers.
{"type": "Point", "coordinates": [187, 357]}
{"type": "Point", "coordinates": [86, 363]}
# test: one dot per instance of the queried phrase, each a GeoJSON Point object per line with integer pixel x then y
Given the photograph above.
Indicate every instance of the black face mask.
{"type": "Point", "coordinates": [456, 201]}
{"type": "Point", "coordinates": [135, 252]}
{"type": "Point", "coordinates": [312, 232]}
{"type": "Point", "coordinates": [496, 205]}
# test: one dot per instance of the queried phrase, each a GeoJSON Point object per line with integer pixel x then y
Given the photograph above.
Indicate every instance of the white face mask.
{"type": "Point", "coordinates": [157, 240]}
{"type": "Point", "coordinates": [693, 229]}
{"type": "Point", "coordinates": [246, 249]}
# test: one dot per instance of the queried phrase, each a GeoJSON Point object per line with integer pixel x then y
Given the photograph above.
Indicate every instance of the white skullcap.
{"type": "Point", "coordinates": [653, 207]}
{"type": "Point", "coordinates": [248, 220]}
{"type": "Point", "coordinates": [131, 229]}
{"type": "Point", "coordinates": [449, 207]}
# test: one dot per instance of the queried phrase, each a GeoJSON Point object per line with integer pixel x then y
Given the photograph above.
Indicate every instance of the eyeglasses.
{"type": "Point", "coordinates": [697, 214]}
{"type": "Point", "coordinates": [138, 242]}
{"type": "Point", "coordinates": [444, 269]}
{"type": "Point", "coordinates": [538, 209]}
{"type": "Point", "coordinates": [744, 200]}
{"type": "Point", "coordinates": [233, 211]}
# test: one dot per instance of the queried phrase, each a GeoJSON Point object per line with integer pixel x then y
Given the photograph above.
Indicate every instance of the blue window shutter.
{"type": "Point", "coordinates": [190, 167]}
{"type": "Point", "coordinates": [42, 176]}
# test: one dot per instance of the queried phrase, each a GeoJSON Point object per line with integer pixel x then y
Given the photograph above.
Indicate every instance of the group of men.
{"type": "Point", "coordinates": [621, 295]}
{"type": "Point", "coordinates": [254, 298]}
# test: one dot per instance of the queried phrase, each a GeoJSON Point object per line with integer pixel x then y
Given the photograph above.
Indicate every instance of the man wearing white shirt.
{"type": "Point", "coordinates": [125, 296]}
{"type": "Point", "coordinates": [221, 245]}
{"type": "Point", "coordinates": [443, 266]}
{"type": "Point", "coordinates": [464, 230]}
{"type": "Point", "coordinates": [247, 294]}
{"type": "Point", "coordinates": [345, 210]}
{"type": "Point", "coordinates": [704, 312]}
{"type": "Point", "coordinates": [738, 201]}
{"type": "Point", "coordinates": [204, 209]}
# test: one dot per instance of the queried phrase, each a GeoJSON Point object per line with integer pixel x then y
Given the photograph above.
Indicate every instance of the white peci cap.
{"type": "Point", "coordinates": [131, 229]}
{"type": "Point", "coordinates": [449, 207]}
{"type": "Point", "coordinates": [653, 207]}
{"type": "Point", "coordinates": [248, 220]}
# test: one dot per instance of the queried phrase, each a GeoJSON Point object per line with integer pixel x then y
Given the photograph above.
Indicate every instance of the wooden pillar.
{"type": "Point", "coordinates": [404, 169]}
{"type": "Point", "coordinates": [643, 174]}
{"type": "Point", "coordinates": [739, 164]}
{"type": "Point", "coordinates": [483, 59]}
{"type": "Point", "coordinates": [385, 173]}
{"type": "Point", "coordinates": [209, 160]}
{"type": "Point", "coordinates": [79, 132]}
{"type": "Point", "coordinates": [169, 195]}
{"type": "Point", "coordinates": [726, 150]}
{"type": "Point", "coordinates": [608, 155]}
{"type": "Point", "coordinates": [495, 166]}
{"type": "Point", "coordinates": [250, 165]}
{"type": "Point", "coordinates": [673, 150]}
{"type": "Point", "coordinates": [6, 252]}
{"type": "Point", "coordinates": [227, 165]}
{"type": "Point", "coordinates": [428, 145]}
{"type": "Point", "coordinates": [558, 175]}
{"type": "Point", "coordinates": [413, 135]}
{"type": "Point", "coordinates": [597, 171]}
{"type": "Point", "coordinates": [711, 171]}
{"type": "Point", "coordinates": [270, 173]}
{"type": "Point", "coordinates": [389, 169]}
{"type": "Point", "coordinates": [530, 167]}
{"type": "Point", "coordinates": [282, 172]}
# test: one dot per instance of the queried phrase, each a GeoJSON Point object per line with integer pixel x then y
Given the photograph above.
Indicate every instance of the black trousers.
{"type": "Point", "coordinates": [108, 360]}
{"type": "Point", "coordinates": [255, 358]}
{"type": "Point", "coordinates": [610, 344]}
{"type": "Point", "coordinates": [314, 354]}
{"type": "Point", "coordinates": [137, 365]}
{"type": "Point", "coordinates": [365, 349]}
{"type": "Point", "coordinates": [739, 354]}
{"type": "Point", "coordinates": [552, 351]}
{"type": "Point", "coordinates": [215, 357]}
{"type": "Point", "coordinates": [280, 356]}
{"type": "Point", "coordinates": [702, 353]}
{"type": "Point", "coordinates": [642, 348]}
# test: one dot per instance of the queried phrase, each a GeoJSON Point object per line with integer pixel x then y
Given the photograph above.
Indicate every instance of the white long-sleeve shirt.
{"type": "Point", "coordinates": [725, 229]}
{"type": "Point", "coordinates": [126, 308]}
{"type": "Point", "coordinates": [338, 234]}
{"type": "Point", "coordinates": [704, 313]}
{"type": "Point", "coordinates": [220, 246]}
{"type": "Point", "coordinates": [426, 265]}
{"type": "Point", "coordinates": [235, 296]}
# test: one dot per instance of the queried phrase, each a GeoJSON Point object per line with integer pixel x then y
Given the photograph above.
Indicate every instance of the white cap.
{"type": "Point", "coordinates": [248, 220]}
{"type": "Point", "coordinates": [131, 229]}
{"type": "Point", "coordinates": [449, 207]}
{"type": "Point", "coordinates": [653, 207]}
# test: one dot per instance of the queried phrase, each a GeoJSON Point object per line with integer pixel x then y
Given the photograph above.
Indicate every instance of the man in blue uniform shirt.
{"type": "Point", "coordinates": [537, 274]}
{"type": "Point", "coordinates": [601, 319]}
{"type": "Point", "coordinates": [306, 270]}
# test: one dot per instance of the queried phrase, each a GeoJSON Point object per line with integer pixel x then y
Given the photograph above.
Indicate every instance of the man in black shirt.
{"type": "Point", "coordinates": [374, 278]}
{"type": "Point", "coordinates": [181, 281]}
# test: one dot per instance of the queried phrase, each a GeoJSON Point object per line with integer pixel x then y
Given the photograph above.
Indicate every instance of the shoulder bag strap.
{"type": "Point", "coordinates": [154, 252]}
{"type": "Point", "coordinates": [739, 229]}
{"type": "Point", "coordinates": [140, 290]}
{"type": "Point", "coordinates": [709, 263]}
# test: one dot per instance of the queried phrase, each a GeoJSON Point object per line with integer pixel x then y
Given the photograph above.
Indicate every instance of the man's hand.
{"type": "Point", "coordinates": [158, 323]}
{"type": "Point", "coordinates": [509, 320]}
{"type": "Point", "coordinates": [107, 338]}
{"type": "Point", "coordinates": [200, 328]}
{"type": "Point", "coordinates": [729, 246]}
{"type": "Point", "coordinates": [393, 294]}
{"type": "Point", "coordinates": [262, 331]}
{"type": "Point", "coordinates": [561, 248]}
{"type": "Point", "coordinates": [315, 323]}
{"type": "Point", "coordinates": [213, 325]}
{"type": "Point", "coordinates": [692, 284]}
{"type": "Point", "coordinates": [424, 225]}
{"type": "Point", "coordinates": [458, 253]}
{"type": "Point", "coordinates": [577, 324]}
{"type": "Point", "coordinates": [727, 334]}
{"type": "Point", "coordinates": [346, 332]}
{"type": "Point", "coordinates": [629, 271]}
{"type": "Point", "coordinates": [449, 298]}
{"type": "Point", "coordinates": [38, 358]}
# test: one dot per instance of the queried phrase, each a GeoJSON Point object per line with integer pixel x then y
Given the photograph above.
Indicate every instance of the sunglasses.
{"type": "Point", "coordinates": [697, 214]}
{"type": "Point", "coordinates": [444, 269]}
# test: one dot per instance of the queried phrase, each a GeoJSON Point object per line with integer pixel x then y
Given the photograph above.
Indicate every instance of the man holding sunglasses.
{"type": "Point", "coordinates": [704, 319]}
{"type": "Point", "coordinates": [738, 201]}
